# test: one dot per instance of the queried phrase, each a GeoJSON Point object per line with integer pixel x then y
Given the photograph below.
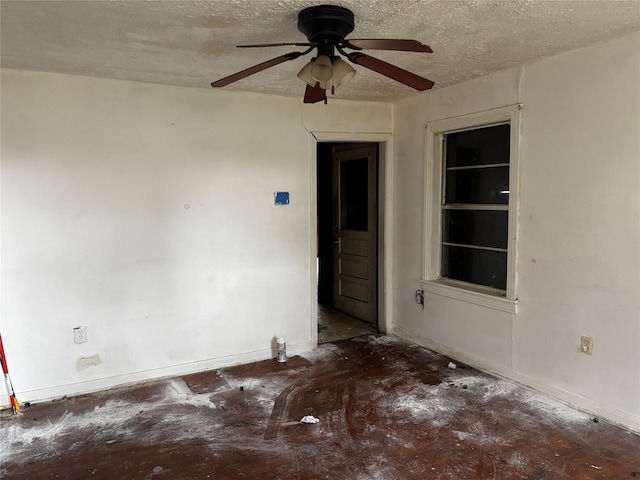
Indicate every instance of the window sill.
{"type": "Point", "coordinates": [438, 287]}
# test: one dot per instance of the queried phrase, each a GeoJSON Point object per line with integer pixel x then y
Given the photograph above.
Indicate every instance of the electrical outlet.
{"type": "Point", "coordinates": [420, 298]}
{"type": "Point", "coordinates": [80, 335]}
{"type": "Point", "coordinates": [586, 345]}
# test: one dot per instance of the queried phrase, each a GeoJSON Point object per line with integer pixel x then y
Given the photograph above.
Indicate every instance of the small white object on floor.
{"type": "Point", "coordinates": [309, 419]}
{"type": "Point", "coordinates": [452, 365]}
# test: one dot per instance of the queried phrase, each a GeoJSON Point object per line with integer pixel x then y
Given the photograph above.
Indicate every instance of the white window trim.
{"type": "Point", "coordinates": [431, 281]}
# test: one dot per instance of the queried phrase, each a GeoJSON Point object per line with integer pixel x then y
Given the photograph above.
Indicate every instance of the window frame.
{"type": "Point", "coordinates": [432, 282]}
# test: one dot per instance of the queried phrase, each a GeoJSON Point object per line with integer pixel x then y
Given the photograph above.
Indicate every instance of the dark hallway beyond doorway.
{"type": "Point", "coordinates": [388, 410]}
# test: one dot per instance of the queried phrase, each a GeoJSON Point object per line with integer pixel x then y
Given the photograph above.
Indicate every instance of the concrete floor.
{"type": "Point", "coordinates": [334, 325]}
{"type": "Point", "coordinates": [388, 410]}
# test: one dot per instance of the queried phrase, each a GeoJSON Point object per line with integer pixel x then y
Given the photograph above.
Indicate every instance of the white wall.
{"type": "Point", "coordinates": [578, 268]}
{"type": "Point", "coordinates": [145, 213]}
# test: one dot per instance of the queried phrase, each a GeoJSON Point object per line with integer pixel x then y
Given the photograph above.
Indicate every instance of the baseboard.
{"type": "Point", "coordinates": [95, 385]}
{"type": "Point", "coordinates": [579, 402]}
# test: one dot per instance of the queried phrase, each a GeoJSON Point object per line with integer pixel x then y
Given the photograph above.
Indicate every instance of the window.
{"type": "Point", "coordinates": [471, 223]}
{"type": "Point", "coordinates": [475, 206]}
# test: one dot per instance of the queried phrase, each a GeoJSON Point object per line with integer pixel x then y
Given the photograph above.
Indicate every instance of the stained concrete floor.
{"type": "Point", "coordinates": [388, 409]}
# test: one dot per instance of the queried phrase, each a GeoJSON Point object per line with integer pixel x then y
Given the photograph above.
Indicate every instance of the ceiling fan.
{"type": "Point", "coordinates": [325, 26]}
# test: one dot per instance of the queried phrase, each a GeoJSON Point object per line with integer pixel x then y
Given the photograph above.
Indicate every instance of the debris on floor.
{"type": "Point", "coordinates": [389, 412]}
{"type": "Point", "coordinates": [309, 419]}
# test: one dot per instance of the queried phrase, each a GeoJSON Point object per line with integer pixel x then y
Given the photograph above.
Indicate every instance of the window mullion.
{"type": "Point", "coordinates": [477, 247]}
{"type": "Point", "coordinates": [476, 167]}
{"type": "Point", "coordinates": [475, 206]}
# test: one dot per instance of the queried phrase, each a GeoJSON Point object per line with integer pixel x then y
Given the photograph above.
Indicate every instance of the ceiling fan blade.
{"type": "Point", "coordinates": [255, 69]}
{"type": "Point", "coordinates": [396, 73]}
{"type": "Point", "coordinates": [259, 45]}
{"type": "Point", "coordinates": [387, 44]}
{"type": "Point", "coordinates": [314, 94]}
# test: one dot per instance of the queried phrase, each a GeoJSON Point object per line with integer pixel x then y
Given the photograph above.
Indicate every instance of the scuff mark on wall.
{"type": "Point", "coordinates": [82, 363]}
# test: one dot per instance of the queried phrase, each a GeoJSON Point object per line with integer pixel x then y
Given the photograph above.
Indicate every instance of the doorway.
{"type": "Point", "coordinates": [347, 239]}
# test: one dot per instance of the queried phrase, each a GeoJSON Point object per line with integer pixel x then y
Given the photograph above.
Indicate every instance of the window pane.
{"type": "Point", "coordinates": [354, 181]}
{"type": "Point", "coordinates": [482, 267]}
{"type": "Point", "coordinates": [483, 146]}
{"type": "Point", "coordinates": [476, 227]}
{"type": "Point", "coordinates": [482, 185]}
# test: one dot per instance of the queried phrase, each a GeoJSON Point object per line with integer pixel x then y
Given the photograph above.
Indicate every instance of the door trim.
{"type": "Point", "coordinates": [385, 224]}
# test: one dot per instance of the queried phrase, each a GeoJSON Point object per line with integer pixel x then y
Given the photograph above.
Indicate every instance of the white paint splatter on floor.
{"type": "Point", "coordinates": [184, 415]}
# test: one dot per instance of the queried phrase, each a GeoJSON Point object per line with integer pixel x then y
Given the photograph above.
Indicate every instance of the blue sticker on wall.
{"type": "Point", "coordinates": [281, 198]}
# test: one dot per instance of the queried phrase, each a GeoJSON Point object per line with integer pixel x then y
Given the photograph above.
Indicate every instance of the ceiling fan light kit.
{"type": "Point", "coordinates": [322, 69]}
{"type": "Point", "coordinates": [326, 27]}
{"type": "Point", "coordinates": [325, 72]}
{"type": "Point", "coordinates": [305, 74]}
{"type": "Point", "coordinates": [342, 72]}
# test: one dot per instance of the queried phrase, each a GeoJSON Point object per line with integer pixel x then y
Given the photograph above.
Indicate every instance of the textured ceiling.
{"type": "Point", "coordinates": [192, 43]}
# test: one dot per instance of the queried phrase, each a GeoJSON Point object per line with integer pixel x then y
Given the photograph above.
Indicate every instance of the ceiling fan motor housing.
{"type": "Point", "coordinates": [326, 23]}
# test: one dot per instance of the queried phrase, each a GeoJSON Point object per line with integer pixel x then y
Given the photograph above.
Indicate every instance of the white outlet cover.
{"type": "Point", "coordinates": [80, 335]}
